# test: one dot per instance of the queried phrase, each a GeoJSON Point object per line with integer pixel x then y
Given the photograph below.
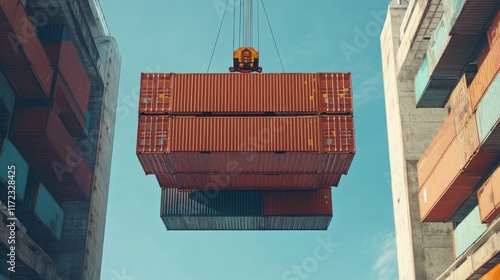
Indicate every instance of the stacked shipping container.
{"type": "Point", "coordinates": [243, 132]}
{"type": "Point", "coordinates": [467, 146]}
{"type": "Point", "coordinates": [44, 91]}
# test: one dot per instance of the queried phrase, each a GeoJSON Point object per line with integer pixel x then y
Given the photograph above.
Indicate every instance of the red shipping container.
{"type": "Point", "coordinates": [435, 150]}
{"type": "Point", "coordinates": [71, 115]}
{"type": "Point", "coordinates": [284, 203]}
{"type": "Point", "coordinates": [248, 181]}
{"type": "Point", "coordinates": [485, 75]}
{"type": "Point", "coordinates": [162, 93]}
{"type": "Point", "coordinates": [494, 30]}
{"type": "Point", "coordinates": [64, 58]}
{"type": "Point", "coordinates": [40, 136]}
{"type": "Point", "coordinates": [23, 59]}
{"type": "Point", "coordinates": [489, 198]}
{"type": "Point", "coordinates": [312, 144]}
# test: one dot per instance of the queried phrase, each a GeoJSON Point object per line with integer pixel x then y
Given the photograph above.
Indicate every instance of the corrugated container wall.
{"type": "Point", "coordinates": [48, 147]}
{"type": "Point", "coordinates": [446, 188]}
{"type": "Point", "coordinates": [245, 210]}
{"type": "Point", "coordinates": [65, 59]}
{"type": "Point", "coordinates": [14, 169]}
{"type": "Point", "coordinates": [435, 150]}
{"type": "Point", "coordinates": [485, 74]}
{"type": "Point", "coordinates": [468, 231]}
{"type": "Point", "coordinates": [245, 94]}
{"type": "Point", "coordinates": [25, 63]}
{"type": "Point", "coordinates": [248, 181]}
{"type": "Point", "coordinates": [245, 144]}
{"type": "Point", "coordinates": [489, 197]}
{"type": "Point", "coordinates": [464, 120]}
{"type": "Point", "coordinates": [488, 117]}
{"type": "Point", "coordinates": [40, 213]}
{"type": "Point", "coordinates": [494, 30]}
{"type": "Point", "coordinates": [493, 274]}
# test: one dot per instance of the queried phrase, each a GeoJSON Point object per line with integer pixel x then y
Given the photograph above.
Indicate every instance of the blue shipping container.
{"type": "Point", "coordinates": [7, 96]}
{"type": "Point", "coordinates": [422, 79]}
{"type": "Point", "coordinates": [468, 231]}
{"type": "Point", "coordinates": [453, 7]}
{"type": "Point", "coordinates": [49, 211]}
{"type": "Point", "coordinates": [488, 116]}
{"type": "Point", "coordinates": [10, 157]}
{"type": "Point", "coordinates": [438, 43]}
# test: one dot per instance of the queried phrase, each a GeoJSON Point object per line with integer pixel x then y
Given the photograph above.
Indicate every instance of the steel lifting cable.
{"type": "Point", "coordinates": [234, 21]}
{"type": "Point", "coordinates": [272, 34]}
{"type": "Point", "coordinates": [217, 38]}
{"type": "Point", "coordinates": [258, 28]}
{"type": "Point", "coordinates": [241, 23]}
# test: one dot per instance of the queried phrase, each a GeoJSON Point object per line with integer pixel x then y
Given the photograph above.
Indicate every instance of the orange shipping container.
{"type": "Point", "coordinates": [489, 198]}
{"type": "Point", "coordinates": [485, 74]}
{"type": "Point", "coordinates": [494, 30]}
{"type": "Point", "coordinates": [312, 144]}
{"type": "Point", "coordinates": [435, 150]}
{"type": "Point", "coordinates": [446, 188]}
{"type": "Point", "coordinates": [248, 181]}
{"type": "Point", "coordinates": [493, 274]}
{"type": "Point", "coordinates": [162, 93]}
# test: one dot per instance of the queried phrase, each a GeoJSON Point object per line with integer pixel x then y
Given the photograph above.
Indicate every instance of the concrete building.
{"type": "Point", "coordinates": [76, 250]}
{"type": "Point", "coordinates": [428, 46]}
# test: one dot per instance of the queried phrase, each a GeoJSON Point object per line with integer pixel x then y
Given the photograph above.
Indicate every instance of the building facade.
{"type": "Point", "coordinates": [60, 70]}
{"type": "Point", "coordinates": [440, 70]}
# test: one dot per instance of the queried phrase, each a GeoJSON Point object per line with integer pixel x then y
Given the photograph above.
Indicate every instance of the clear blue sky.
{"type": "Point", "coordinates": [312, 36]}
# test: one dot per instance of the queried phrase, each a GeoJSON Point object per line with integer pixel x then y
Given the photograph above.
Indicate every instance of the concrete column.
{"type": "Point", "coordinates": [424, 250]}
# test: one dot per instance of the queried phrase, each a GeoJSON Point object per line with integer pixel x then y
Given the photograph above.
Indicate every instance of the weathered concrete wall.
{"type": "Point", "coordinates": [424, 250]}
{"type": "Point", "coordinates": [99, 200]}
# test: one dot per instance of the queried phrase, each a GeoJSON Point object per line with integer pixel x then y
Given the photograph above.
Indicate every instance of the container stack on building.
{"type": "Point", "coordinates": [37, 82]}
{"type": "Point", "coordinates": [47, 72]}
{"type": "Point", "coordinates": [462, 162]}
{"type": "Point", "coordinates": [246, 151]}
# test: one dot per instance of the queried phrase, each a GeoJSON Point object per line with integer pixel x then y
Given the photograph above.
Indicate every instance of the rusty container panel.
{"type": "Point", "coordinates": [446, 188]}
{"type": "Point", "coordinates": [494, 30]}
{"type": "Point", "coordinates": [70, 114]}
{"type": "Point", "coordinates": [245, 94]}
{"type": "Point", "coordinates": [41, 137]}
{"type": "Point", "coordinates": [493, 274]}
{"type": "Point", "coordinates": [64, 58]}
{"type": "Point", "coordinates": [25, 63]}
{"type": "Point", "coordinates": [468, 139]}
{"type": "Point", "coordinates": [485, 74]}
{"type": "Point", "coordinates": [489, 197]}
{"type": "Point", "coordinates": [247, 181]}
{"type": "Point", "coordinates": [238, 210]}
{"type": "Point", "coordinates": [436, 149]}
{"type": "Point", "coordinates": [460, 103]}
{"type": "Point", "coordinates": [247, 144]}
{"type": "Point", "coordinates": [285, 203]}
